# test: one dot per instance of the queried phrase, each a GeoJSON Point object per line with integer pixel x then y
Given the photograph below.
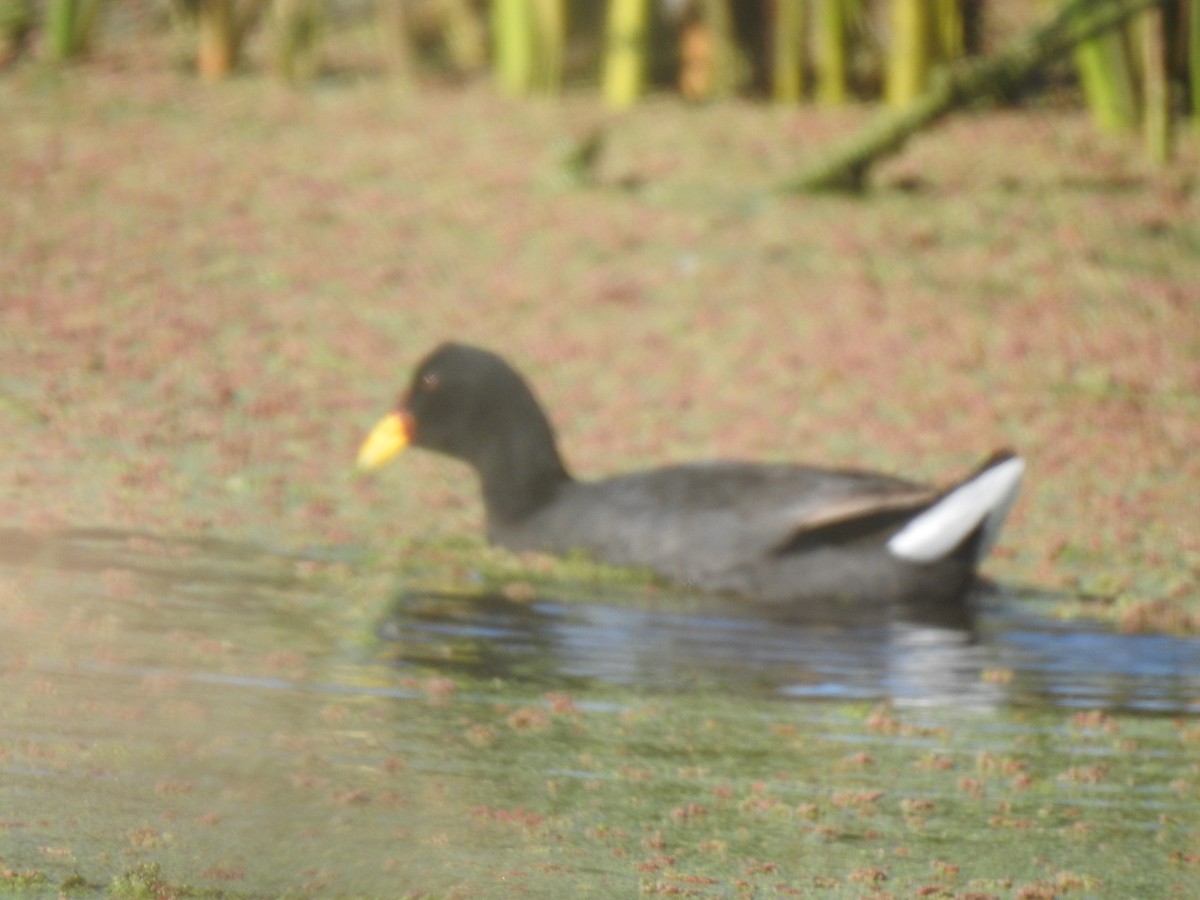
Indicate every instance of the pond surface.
{"type": "Point", "coordinates": [183, 717]}
{"type": "Point", "coordinates": [1005, 655]}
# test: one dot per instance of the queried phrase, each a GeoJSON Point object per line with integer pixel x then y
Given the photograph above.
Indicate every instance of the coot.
{"type": "Point", "coordinates": [768, 531]}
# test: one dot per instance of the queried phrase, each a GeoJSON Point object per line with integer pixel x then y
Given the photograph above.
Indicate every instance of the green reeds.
{"type": "Point", "coordinates": [847, 167]}
{"type": "Point", "coordinates": [512, 45]}
{"type": "Point", "coordinates": [625, 52]}
{"type": "Point", "coordinates": [69, 27]}
{"type": "Point", "coordinates": [1107, 79]}
{"type": "Point", "coordinates": [1125, 73]}
{"type": "Point", "coordinates": [1192, 56]}
{"type": "Point", "coordinates": [948, 29]}
{"type": "Point", "coordinates": [528, 44]}
{"type": "Point", "coordinates": [1156, 89]}
{"type": "Point", "coordinates": [832, 37]}
{"type": "Point", "coordinates": [924, 33]}
{"type": "Point", "coordinates": [787, 58]}
{"type": "Point", "coordinates": [550, 27]}
{"type": "Point", "coordinates": [911, 52]}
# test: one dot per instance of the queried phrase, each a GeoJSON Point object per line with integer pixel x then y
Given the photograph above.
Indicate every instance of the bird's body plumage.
{"type": "Point", "coordinates": [771, 531]}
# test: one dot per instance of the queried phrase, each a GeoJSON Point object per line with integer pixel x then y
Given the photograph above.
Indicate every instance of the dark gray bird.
{"type": "Point", "coordinates": [772, 532]}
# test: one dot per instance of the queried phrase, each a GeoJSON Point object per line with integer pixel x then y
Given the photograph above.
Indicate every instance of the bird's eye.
{"type": "Point", "coordinates": [429, 381]}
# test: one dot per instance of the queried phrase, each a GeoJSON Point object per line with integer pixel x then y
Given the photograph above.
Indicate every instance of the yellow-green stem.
{"type": "Point", "coordinates": [625, 52]}
{"type": "Point", "coordinates": [1156, 92]}
{"type": "Point", "coordinates": [832, 54]}
{"type": "Point", "coordinates": [1193, 57]}
{"type": "Point", "coordinates": [1107, 80]}
{"type": "Point", "coordinates": [787, 64]}
{"type": "Point", "coordinates": [910, 55]}
{"type": "Point", "coordinates": [948, 29]}
{"type": "Point", "coordinates": [550, 27]}
{"type": "Point", "coordinates": [512, 35]}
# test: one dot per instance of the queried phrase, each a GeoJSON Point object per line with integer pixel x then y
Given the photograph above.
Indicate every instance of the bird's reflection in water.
{"type": "Point", "coordinates": [1002, 654]}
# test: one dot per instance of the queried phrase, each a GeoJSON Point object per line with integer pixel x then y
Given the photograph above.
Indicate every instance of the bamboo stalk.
{"type": "Point", "coordinates": [948, 29]}
{"type": "Point", "coordinates": [549, 26]}
{"type": "Point", "coordinates": [512, 35]}
{"type": "Point", "coordinates": [1193, 57]}
{"type": "Point", "coordinates": [1107, 80]}
{"type": "Point", "coordinates": [69, 26]}
{"type": "Point", "coordinates": [910, 54]}
{"type": "Point", "coordinates": [846, 168]}
{"type": "Point", "coordinates": [60, 28]}
{"type": "Point", "coordinates": [625, 53]}
{"type": "Point", "coordinates": [1156, 91]}
{"type": "Point", "coordinates": [831, 39]}
{"type": "Point", "coordinates": [787, 58]}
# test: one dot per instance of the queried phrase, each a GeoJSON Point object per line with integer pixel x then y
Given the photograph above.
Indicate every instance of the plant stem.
{"type": "Point", "coordinates": [625, 55]}
{"type": "Point", "coordinates": [955, 86]}
{"type": "Point", "coordinates": [787, 63]}
{"type": "Point", "coordinates": [832, 36]}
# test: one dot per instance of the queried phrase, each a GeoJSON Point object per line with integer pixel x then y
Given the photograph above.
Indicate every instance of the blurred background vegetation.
{"type": "Point", "coordinates": [1143, 73]}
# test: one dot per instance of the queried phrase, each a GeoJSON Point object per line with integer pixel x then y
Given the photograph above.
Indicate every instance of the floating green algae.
{"type": "Point", "coordinates": [217, 733]}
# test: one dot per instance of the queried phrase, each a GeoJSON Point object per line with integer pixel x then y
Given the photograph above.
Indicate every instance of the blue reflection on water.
{"type": "Point", "coordinates": [1005, 655]}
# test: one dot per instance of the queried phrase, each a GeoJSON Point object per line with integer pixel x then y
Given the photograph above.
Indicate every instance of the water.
{"type": "Point", "coordinates": [1004, 655]}
{"type": "Point", "coordinates": [199, 715]}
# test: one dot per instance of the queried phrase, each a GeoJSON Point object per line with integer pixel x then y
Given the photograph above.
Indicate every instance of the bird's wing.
{"type": "Point", "coordinates": [690, 520]}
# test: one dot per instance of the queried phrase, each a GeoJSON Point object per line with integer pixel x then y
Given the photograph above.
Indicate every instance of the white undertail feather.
{"type": "Point", "coordinates": [984, 500]}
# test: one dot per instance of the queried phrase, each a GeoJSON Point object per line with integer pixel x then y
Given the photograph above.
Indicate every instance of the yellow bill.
{"type": "Point", "coordinates": [386, 439]}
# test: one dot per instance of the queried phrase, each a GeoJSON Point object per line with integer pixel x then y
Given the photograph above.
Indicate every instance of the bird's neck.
{"type": "Point", "coordinates": [519, 476]}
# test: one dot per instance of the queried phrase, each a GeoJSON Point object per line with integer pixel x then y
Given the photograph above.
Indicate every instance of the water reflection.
{"type": "Point", "coordinates": [211, 709]}
{"type": "Point", "coordinates": [1007, 652]}
{"type": "Point", "coordinates": [1003, 655]}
